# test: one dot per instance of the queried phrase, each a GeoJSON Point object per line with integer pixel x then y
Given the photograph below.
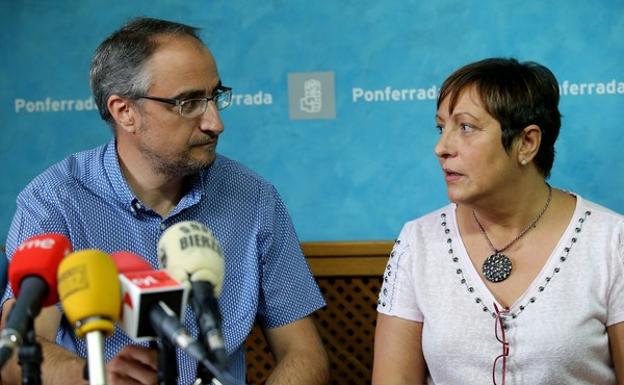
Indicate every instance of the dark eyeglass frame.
{"type": "Point", "coordinates": [220, 91]}
{"type": "Point", "coordinates": [498, 324]}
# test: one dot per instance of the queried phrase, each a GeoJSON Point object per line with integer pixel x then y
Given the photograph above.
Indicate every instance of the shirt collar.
{"type": "Point", "coordinates": [113, 172]}
{"type": "Point", "coordinates": [196, 183]}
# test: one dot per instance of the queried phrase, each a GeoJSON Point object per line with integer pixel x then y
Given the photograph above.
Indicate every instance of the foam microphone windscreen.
{"type": "Point", "coordinates": [188, 249]}
{"type": "Point", "coordinates": [90, 292]}
{"type": "Point", "coordinates": [127, 262]}
{"type": "Point", "coordinates": [39, 256]}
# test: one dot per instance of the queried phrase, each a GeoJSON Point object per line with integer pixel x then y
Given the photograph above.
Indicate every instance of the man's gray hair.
{"type": "Point", "coordinates": [117, 67]}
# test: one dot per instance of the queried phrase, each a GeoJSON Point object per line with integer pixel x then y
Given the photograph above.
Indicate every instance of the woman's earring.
{"type": "Point", "coordinates": [523, 162]}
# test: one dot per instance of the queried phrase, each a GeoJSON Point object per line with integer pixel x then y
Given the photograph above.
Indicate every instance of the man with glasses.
{"type": "Point", "coordinates": [157, 85]}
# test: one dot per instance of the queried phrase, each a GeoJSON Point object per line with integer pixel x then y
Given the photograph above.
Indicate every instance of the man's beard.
{"type": "Point", "coordinates": [182, 165]}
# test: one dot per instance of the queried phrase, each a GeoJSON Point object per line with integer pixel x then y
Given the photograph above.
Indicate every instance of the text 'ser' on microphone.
{"type": "Point", "coordinates": [91, 297]}
{"type": "Point", "coordinates": [32, 275]}
{"type": "Point", "coordinates": [192, 254]}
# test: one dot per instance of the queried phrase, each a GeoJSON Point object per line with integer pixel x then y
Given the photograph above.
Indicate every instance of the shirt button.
{"type": "Point", "coordinates": [163, 226]}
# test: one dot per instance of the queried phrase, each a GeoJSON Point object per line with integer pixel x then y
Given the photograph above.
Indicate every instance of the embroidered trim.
{"type": "Point", "coordinates": [397, 251]}
{"type": "Point", "coordinates": [471, 290]}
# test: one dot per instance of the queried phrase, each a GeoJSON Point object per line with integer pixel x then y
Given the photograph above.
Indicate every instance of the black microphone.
{"type": "Point", "coordinates": [171, 328]}
{"type": "Point", "coordinates": [166, 323]}
{"type": "Point", "coordinates": [148, 296]}
{"type": "Point", "coordinates": [142, 289]}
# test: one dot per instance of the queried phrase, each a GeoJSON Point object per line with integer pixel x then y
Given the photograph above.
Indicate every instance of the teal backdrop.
{"type": "Point", "coordinates": [361, 170]}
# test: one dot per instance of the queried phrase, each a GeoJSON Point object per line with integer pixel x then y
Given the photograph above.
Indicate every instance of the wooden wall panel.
{"type": "Point", "coordinates": [349, 276]}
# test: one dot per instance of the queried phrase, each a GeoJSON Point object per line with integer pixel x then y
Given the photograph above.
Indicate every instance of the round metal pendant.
{"type": "Point", "coordinates": [497, 267]}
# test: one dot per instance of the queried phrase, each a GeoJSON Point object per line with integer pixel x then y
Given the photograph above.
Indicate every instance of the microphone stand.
{"type": "Point", "coordinates": [95, 358]}
{"type": "Point", "coordinates": [206, 308]}
{"type": "Point", "coordinates": [30, 357]}
{"type": "Point", "coordinates": [167, 361]}
{"type": "Point", "coordinates": [207, 311]}
{"type": "Point", "coordinates": [203, 374]}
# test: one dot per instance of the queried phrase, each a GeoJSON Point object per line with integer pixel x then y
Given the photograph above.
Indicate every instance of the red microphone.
{"type": "Point", "coordinates": [142, 288]}
{"type": "Point", "coordinates": [32, 275]}
{"type": "Point", "coordinates": [127, 262]}
{"type": "Point", "coordinates": [153, 303]}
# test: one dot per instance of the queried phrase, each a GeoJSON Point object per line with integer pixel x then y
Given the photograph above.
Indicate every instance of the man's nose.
{"type": "Point", "coordinates": [211, 120]}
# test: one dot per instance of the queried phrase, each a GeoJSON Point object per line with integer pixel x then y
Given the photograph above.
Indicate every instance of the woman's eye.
{"type": "Point", "coordinates": [466, 127]}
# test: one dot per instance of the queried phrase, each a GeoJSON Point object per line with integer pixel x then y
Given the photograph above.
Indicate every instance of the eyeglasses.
{"type": "Point", "coordinates": [194, 107]}
{"type": "Point", "coordinates": [499, 332]}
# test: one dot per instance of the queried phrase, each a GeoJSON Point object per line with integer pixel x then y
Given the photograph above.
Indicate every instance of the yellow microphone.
{"type": "Point", "coordinates": [90, 294]}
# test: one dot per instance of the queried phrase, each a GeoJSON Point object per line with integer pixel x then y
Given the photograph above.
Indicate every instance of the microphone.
{"type": "Point", "coordinates": [149, 299]}
{"type": "Point", "coordinates": [91, 298]}
{"type": "Point", "coordinates": [128, 262]}
{"type": "Point", "coordinates": [32, 275]}
{"type": "Point", "coordinates": [142, 289]}
{"type": "Point", "coordinates": [190, 252]}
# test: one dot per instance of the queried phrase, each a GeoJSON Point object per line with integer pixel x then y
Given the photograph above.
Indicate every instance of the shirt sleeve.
{"type": "Point", "coordinates": [288, 290]}
{"type": "Point", "coordinates": [615, 310]}
{"type": "Point", "coordinates": [37, 213]}
{"type": "Point", "coordinates": [398, 296]}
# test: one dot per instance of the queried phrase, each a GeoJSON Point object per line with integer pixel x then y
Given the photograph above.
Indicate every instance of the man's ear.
{"type": "Point", "coordinates": [529, 143]}
{"type": "Point", "coordinates": [124, 112]}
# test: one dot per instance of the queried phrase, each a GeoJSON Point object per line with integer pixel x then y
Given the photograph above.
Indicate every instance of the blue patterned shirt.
{"type": "Point", "coordinates": [266, 276]}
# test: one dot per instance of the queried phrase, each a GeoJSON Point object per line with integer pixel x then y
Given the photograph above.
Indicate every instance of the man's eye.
{"type": "Point", "coordinates": [193, 104]}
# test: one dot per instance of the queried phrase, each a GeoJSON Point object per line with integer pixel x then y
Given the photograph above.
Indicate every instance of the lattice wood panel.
{"type": "Point", "coordinates": [260, 361]}
{"type": "Point", "coordinates": [346, 326]}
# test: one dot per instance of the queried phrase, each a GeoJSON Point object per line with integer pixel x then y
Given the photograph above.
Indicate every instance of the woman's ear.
{"type": "Point", "coordinates": [529, 143]}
